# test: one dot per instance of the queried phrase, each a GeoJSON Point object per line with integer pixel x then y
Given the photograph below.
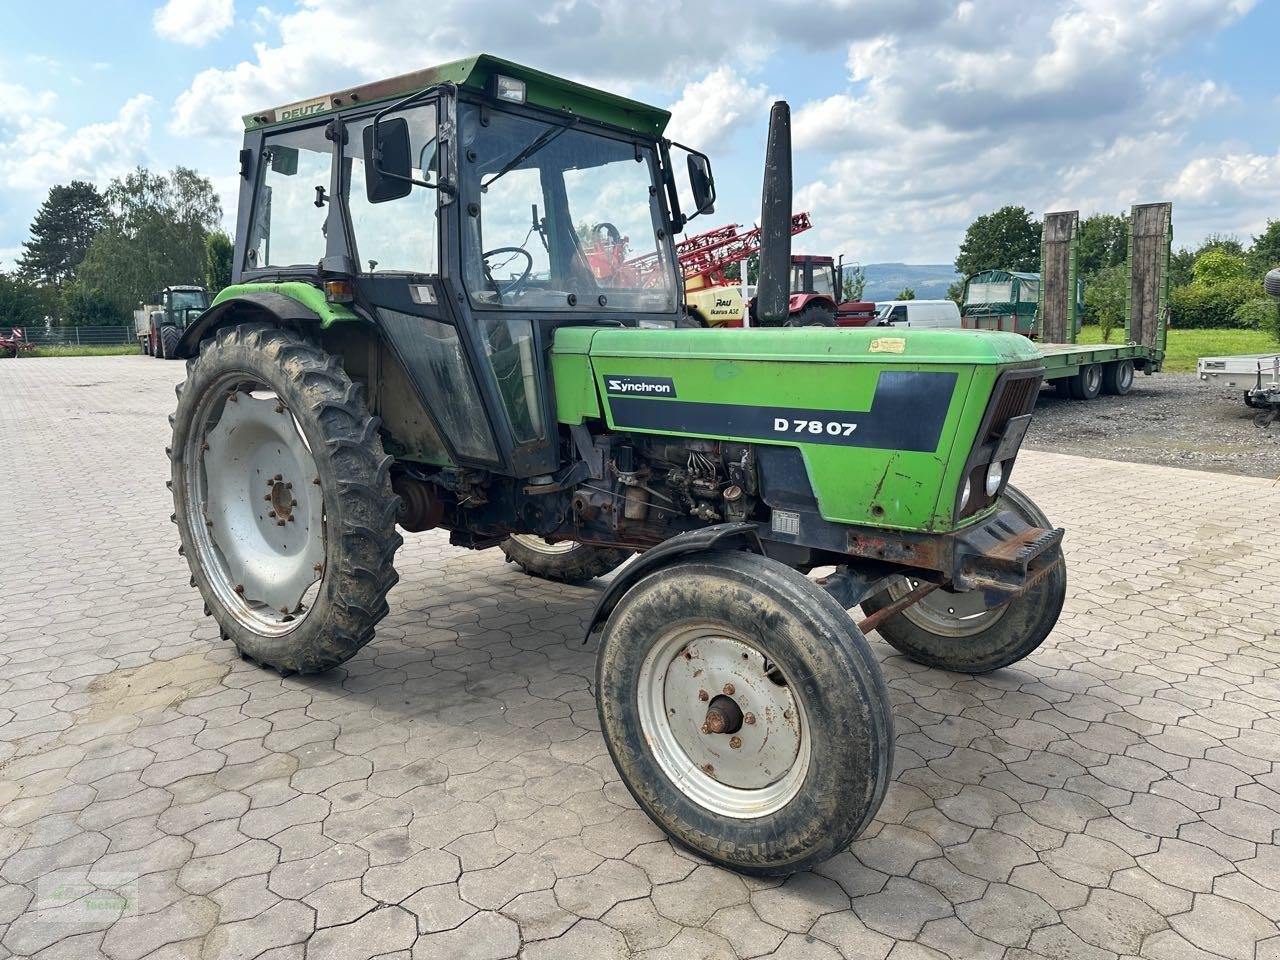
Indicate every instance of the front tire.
{"type": "Point", "coordinates": [565, 562]}
{"type": "Point", "coordinates": [169, 337]}
{"type": "Point", "coordinates": [955, 632]}
{"type": "Point", "coordinates": [801, 757]}
{"type": "Point", "coordinates": [814, 315]}
{"type": "Point", "coordinates": [282, 497]}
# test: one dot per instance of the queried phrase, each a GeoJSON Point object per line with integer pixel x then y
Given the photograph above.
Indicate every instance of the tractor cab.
{"type": "Point", "coordinates": [183, 304]}
{"type": "Point", "coordinates": [472, 209]}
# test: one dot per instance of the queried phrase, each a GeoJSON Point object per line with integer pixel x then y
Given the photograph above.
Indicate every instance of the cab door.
{"type": "Point", "coordinates": [395, 247]}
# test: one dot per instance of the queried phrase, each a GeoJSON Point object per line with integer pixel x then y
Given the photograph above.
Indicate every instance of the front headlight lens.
{"type": "Point", "coordinates": [965, 492]}
{"type": "Point", "coordinates": [995, 474]}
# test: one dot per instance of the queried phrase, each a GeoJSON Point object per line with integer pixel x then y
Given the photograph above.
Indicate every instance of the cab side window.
{"type": "Point", "coordinates": [288, 228]}
{"type": "Point", "coordinates": [396, 236]}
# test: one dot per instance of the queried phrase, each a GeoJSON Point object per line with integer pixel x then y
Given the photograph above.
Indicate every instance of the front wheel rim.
{"type": "Point", "coordinates": [746, 771]}
{"type": "Point", "coordinates": [947, 614]}
{"type": "Point", "coordinates": [255, 509]}
{"type": "Point", "coordinates": [539, 545]}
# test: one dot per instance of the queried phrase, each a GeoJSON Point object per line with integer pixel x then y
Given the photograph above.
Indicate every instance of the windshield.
{"type": "Point", "coordinates": [558, 216]}
{"type": "Point", "coordinates": [187, 299]}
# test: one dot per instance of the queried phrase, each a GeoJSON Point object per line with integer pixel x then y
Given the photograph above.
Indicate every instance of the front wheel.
{"type": "Point", "coordinates": [745, 712]}
{"type": "Point", "coordinates": [814, 315]}
{"type": "Point", "coordinates": [956, 631]}
{"type": "Point", "coordinates": [282, 496]}
{"type": "Point", "coordinates": [567, 562]}
{"type": "Point", "coordinates": [169, 337]}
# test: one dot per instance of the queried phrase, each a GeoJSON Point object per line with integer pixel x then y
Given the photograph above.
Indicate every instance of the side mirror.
{"type": "Point", "coordinates": [387, 161]}
{"type": "Point", "coordinates": [701, 183]}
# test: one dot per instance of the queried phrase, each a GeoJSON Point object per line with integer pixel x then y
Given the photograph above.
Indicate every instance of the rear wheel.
{"type": "Point", "coordinates": [1087, 383]}
{"type": "Point", "coordinates": [745, 712]}
{"type": "Point", "coordinates": [956, 631]}
{"type": "Point", "coordinates": [814, 315]}
{"type": "Point", "coordinates": [283, 500]}
{"type": "Point", "coordinates": [1117, 378]}
{"type": "Point", "coordinates": [169, 337]}
{"type": "Point", "coordinates": [566, 561]}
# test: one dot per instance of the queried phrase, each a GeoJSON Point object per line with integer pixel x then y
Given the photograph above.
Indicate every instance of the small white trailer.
{"type": "Point", "coordinates": [1257, 375]}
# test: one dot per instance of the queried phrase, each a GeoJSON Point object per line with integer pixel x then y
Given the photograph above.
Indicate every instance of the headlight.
{"type": "Point", "coordinates": [965, 491]}
{"type": "Point", "coordinates": [656, 324]}
{"type": "Point", "coordinates": [995, 474]}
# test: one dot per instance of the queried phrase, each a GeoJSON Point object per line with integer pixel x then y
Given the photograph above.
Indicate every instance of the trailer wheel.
{"type": "Point", "coordinates": [144, 345]}
{"type": "Point", "coordinates": [745, 712]}
{"type": "Point", "coordinates": [169, 337]}
{"type": "Point", "coordinates": [567, 562]}
{"type": "Point", "coordinates": [1087, 383]}
{"type": "Point", "coordinates": [1117, 377]}
{"type": "Point", "coordinates": [955, 631]}
{"type": "Point", "coordinates": [282, 497]}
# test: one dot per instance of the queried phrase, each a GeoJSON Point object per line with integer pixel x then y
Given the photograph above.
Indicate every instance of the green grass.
{"type": "Point", "coordinates": [1186, 346]}
{"type": "Point", "coordinates": [72, 350]}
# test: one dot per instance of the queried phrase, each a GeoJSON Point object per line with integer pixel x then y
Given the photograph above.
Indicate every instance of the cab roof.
{"type": "Point", "coordinates": [542, 89]}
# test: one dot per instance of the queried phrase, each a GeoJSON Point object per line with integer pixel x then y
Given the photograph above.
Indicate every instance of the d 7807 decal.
{"type": "Point", "coordinates": [831, 428]}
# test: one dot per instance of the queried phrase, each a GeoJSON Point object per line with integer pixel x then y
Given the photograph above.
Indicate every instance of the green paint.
{"type": "Point", "coordinates": [821, 369]}
{"type": "Point", "coordinates": [542, 89]}
{"type": "Point", "coordinates": [310, 297]}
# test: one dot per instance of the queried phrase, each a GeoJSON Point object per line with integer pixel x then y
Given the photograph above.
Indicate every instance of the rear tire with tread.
{"type": "Point", "coordinates": [169, 337]}
{"type": "Point", "coordinates": [1087, 383]}
{"type": "Point", "coordinates": [360, 510]}
{"type": "Point", "coordinates": [1117, 378]}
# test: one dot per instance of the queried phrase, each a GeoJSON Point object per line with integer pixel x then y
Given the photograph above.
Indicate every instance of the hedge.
{"type": "Point", "coordinates": [1196, 305]}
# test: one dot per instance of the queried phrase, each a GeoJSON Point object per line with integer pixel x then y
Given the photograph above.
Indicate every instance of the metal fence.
{"type": "Point", "coordinates": [78, 336]}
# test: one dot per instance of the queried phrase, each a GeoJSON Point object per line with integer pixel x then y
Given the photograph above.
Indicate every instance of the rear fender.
{"type": "Point", "coordinates": [279, 303]}
{"type": "Point", "coordinates": [721, 536]}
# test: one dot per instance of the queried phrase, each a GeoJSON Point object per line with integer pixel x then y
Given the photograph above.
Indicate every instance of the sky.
{"type": "Point", "coordinates": [910, 117]}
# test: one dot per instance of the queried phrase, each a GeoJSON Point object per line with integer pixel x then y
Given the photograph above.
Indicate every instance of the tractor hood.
{"type": "Point", "coordinates": [884, 421]}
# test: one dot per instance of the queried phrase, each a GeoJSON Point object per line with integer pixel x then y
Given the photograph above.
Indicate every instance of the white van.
{"type": "Point", "coordinates": [918, 313]}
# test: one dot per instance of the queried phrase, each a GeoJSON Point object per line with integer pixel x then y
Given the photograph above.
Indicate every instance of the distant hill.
{"type": "Point", "coordinates": [929, 280]}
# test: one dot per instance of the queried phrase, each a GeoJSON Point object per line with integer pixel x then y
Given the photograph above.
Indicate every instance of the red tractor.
{"type": "Point", "coordinates": [816, 296]}
{"type": "Point", "coordinates": [12, 342]}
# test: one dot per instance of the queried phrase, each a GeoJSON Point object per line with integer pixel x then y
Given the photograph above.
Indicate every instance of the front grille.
{"type": "Point", "coordinates": [1014, 396]}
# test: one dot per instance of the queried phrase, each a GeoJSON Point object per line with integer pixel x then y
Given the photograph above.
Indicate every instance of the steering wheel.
{"type": "Point", "coordinates": [613, 234]}
{"type": "Point", "coordinates": [515, 285]}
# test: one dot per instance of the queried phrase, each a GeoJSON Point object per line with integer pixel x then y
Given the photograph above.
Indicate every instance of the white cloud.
{"type": "Point", "coordinates": [709, 108]}
{"type": "Point", "coordinates": [37, 150]}
{"type": "Point", "coordinates": [193, 22]}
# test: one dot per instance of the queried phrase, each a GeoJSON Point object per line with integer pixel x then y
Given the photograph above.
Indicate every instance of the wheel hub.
{"type": "Point", "coordinates": [723, 722]}
{"type": "Point", "coordinates": [263, 513]}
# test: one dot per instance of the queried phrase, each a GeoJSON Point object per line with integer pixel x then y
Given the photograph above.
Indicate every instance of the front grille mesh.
{"type": "Point", "coordinates": [1016, 398]}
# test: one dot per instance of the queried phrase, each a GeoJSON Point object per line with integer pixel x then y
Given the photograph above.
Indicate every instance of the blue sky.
{"type": "Point", "coordinates": [911, 116]}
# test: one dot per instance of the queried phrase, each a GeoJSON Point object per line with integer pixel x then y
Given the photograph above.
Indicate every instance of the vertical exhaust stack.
{"type": "Point", "coordinates": [772, 294]}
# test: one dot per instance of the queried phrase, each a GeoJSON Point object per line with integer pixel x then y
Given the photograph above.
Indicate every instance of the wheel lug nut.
{"type": "Point", "coordinates": [703, 695]}
{"type": "Point", "coordinates": [735, 742]}
{"type": "Point", "coordinates": [318, 568]}
{"type": "Point", "coordinates": [267, 498]}
{"type": "Point", "coordinates": [750, 718]}
{"type": "Point", "coordinates": [292, 518]}
{"type": "Point", "coordinates": [271, 513]}
{"type": "Point", "coordinates": [278, 478]}
{"type": "Point", "coordinates": [706, 728]}
{"type": "Point", "coordinates": [279, 523]}
{"type": "Point", "coordinates": [708, 769]}
{"type": "Point", "coordinates": [240, 588]}
{"type": "Point", "coordinates": [728, 689]}
{"type": "Point", "coordinates": [288, 486]}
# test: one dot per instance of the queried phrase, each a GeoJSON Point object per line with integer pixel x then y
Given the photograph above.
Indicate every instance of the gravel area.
{"type": "Point", "coordinates": [1171, 419]}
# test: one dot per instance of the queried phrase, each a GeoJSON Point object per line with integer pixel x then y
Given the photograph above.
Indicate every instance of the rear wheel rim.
{"type": "Point", "coordinates": [539, 545]}
{"type": "Point", "coordinates": [746, 772]}
{"type": "Point", "coordinates": [1126, 377]}
{"type": "Point", "coordinates": [254, 509]}
{"type": "Point", "coordinates": [1093, 378]}
{"type": "Point", "coordinates": [947, 614]}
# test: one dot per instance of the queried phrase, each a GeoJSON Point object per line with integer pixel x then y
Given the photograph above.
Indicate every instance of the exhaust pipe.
{"type": "Point", "coordinates": [772, 294]}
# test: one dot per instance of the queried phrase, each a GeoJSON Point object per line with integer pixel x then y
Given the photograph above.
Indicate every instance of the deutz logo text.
{"type": "Point", "coordinates": [651, 386]}
{"type": "Point", "coordinates": [296, 111]}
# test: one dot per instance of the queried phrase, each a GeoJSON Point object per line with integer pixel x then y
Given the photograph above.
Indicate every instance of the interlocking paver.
{"type": "Point", "coordinates": [447, 793]}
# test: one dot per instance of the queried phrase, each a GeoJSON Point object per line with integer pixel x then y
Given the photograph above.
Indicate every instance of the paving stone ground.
{"type": "Point", "coordinates": [447, 795]}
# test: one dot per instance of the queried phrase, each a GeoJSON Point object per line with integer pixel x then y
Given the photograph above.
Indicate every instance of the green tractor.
{"type": "Point", "coordinates": [416, 338]}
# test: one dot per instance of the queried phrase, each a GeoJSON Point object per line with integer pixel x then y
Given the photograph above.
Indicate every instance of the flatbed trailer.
{"type": "Point", "coordinates": [1086, 370]}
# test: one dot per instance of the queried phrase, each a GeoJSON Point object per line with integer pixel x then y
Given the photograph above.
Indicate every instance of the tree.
{"type": "Point", "coordinates": [1104, 242]}
{"type": "Point", "coordinates": [907, 293]}
{"type": "Point", "coordinates": [854, 283]}
{"type": "Point", "coordinates": [84, 306]}
{"type": "Point", "coordinates": [61, 232]}
{"type": "Point", "coordinates": [955, 292]}
{"type": "Point", "coordinates": [1008, 239]}
{"type": "Point", "coordinates": [734, 270]}
{"type": "Point", "coordinates": [1104, 298]}
{"type": "Point", "coordinates": [1216, 266]}
{"type": "Point", "coordinates": [153, 235]}
{"type": "Point", "coordinates": [1264, 252]}
{"type": "Point", "coordinates": [218, 250]}
{"type": "Point", "coordinates": [21, 304]}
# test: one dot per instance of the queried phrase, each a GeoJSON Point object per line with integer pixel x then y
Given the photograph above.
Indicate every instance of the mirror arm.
{"type": "Point", "coordinates": [444, 186]}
